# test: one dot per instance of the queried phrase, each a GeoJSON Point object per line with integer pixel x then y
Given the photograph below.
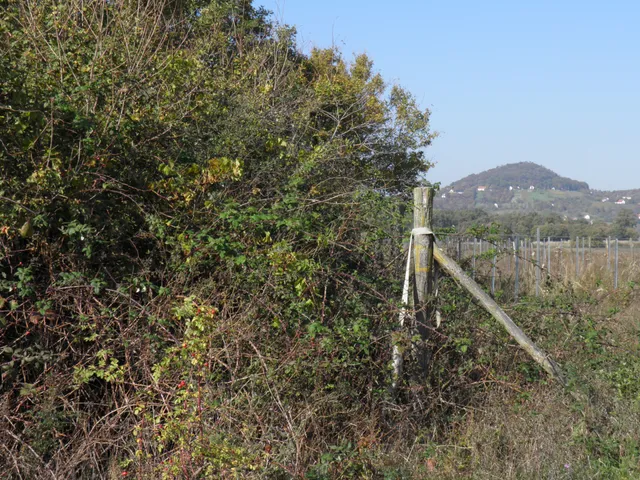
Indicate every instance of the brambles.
{"type": "Point", "coordinates": [195, 226]}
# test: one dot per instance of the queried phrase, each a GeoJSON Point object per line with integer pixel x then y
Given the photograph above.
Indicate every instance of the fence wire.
{"type": "Point", "coordinates": [521, 265]}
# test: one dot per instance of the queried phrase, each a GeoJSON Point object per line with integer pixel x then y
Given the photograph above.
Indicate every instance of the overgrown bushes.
{"type": "Point", "coordinates": [195, 264]}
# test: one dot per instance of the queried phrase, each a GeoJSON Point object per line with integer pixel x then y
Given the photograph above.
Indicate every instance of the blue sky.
{"type": "Point", "coordinates": [552, 82]}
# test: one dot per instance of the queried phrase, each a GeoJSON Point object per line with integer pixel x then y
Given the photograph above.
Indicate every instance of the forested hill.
{"type": "Point", "coordinates": [528, 187]}
{"type": "Point", "coordinates": [523, 175]}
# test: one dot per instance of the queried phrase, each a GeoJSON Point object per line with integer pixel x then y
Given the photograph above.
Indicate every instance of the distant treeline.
{"type": "Point", "coordinates": [550, 224]}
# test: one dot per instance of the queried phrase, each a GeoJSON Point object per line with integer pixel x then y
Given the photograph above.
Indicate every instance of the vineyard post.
{"type": "Point", "coordinates": [549, 257]}
{"type": "Point", "coordinates": [560, 255]}
{"type": "Point", "coordinates": [517, 268]}
{"type": "Point", "coordinates": [493, 273]}
{"type": "Point", "coordinates": [473, 259]}
{"type": "Point", "coordinates": [615, 280]}
{"type": "Point", "coordinates": [538, 262]}
{"type": "Point", "coordinates": [577, 246]}
{"type": "Point", "coordinates": [424, 275]}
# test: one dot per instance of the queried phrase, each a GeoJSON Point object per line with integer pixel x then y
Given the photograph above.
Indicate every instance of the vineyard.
{"type": "Point", "coordinates": [508, 263]}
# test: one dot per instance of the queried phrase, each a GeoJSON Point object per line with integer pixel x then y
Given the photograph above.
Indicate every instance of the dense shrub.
{"type": "Point", "coordinates": [194, 219]}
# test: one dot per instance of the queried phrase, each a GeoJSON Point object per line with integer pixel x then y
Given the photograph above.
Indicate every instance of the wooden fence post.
{"type": "Point", "coordinates": [577, 246]}
{"type": "Point", "coordinates": [549, 255]}
{"type": "Point", "coordinates": [615, 279]}
{"type": "Point", "coordinates": [493, 273]}
{"type": "Point", "coordinates": [473, 259]}
{"type": "Point", "coordinates": [560, 255]}
{"type": "Point", "coordinates": [538, 262]}
{"type": "Point", "coordinates": [424, 275]}
{"type": "Point", "coordinates": [517, 268]}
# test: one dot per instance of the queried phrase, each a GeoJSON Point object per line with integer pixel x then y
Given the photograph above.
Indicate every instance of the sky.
{"type": "Point", "coordinates": [555, 82]}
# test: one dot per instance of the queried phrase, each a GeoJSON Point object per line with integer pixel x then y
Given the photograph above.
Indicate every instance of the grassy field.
{"type": "Point", "coordinates": [506, 419]}
{"type": "Point", "coordinates": [487, 411]}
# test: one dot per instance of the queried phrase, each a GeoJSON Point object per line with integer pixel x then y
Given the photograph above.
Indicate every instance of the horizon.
{"type": "Point", "coordinates": [555, 84]}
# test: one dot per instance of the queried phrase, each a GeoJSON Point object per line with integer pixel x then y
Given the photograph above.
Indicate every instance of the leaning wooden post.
{"type": "Point", "coordinates": [424, 277]}
{"type": "Point", "coordinates": [454, 270]}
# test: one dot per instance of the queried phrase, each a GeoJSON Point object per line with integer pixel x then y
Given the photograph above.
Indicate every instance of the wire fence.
{"type": "Point", "coordinates": [522, 265]}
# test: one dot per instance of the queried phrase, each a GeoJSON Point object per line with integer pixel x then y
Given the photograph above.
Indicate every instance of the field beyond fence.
{"type": "Point", "coordinates": [520, 265]}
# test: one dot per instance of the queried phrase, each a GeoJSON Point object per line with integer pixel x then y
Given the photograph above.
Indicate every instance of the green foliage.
{"type": "Point", "coordinates": [624, 225]}
{"type": "Point", "coordinates": [194, 232]}
{"type": "Point", "coordinates": [527, 223]}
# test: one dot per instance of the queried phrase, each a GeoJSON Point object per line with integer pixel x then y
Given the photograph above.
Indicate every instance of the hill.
{"type": "Point", "coordinates": [528, 187]}
{"type": "Point", "coordinates": [520, 175]}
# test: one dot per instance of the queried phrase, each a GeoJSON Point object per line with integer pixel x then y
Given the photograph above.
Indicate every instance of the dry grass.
{"type": "Point", "coordinates": [521, 429]}
{"type": "Point", "coordinates": [595, 269]}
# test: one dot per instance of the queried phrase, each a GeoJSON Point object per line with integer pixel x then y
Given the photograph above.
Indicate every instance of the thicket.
{"type": "Point", "coordinates": [196, 276]}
